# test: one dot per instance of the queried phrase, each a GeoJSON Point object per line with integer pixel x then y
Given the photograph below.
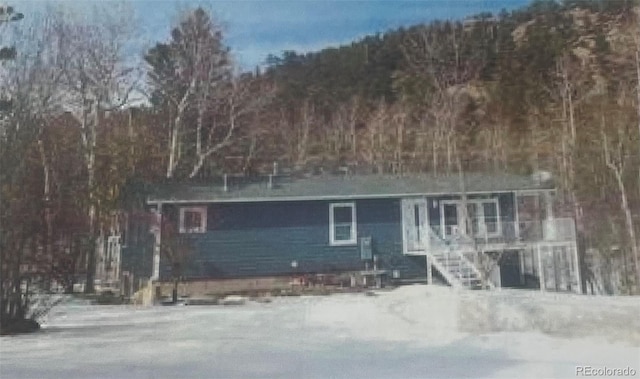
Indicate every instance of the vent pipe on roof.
{"type": "Point", "coordinates": [225, 187]}
{"type": "Point", "coordinates": [541, 177]}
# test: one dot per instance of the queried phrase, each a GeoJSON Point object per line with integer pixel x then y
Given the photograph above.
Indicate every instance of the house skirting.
{"type": "Point", "coordinates": [216, 287]}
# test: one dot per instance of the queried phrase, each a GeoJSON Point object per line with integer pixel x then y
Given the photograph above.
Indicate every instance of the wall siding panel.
{"type": "Point", "coordinates": [262, 239]}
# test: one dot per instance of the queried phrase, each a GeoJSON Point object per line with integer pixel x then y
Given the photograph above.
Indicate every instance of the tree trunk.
{"type": "Point", "coordinates": [173, 148]}
{"type": "Point", "coordinates": [638, 120]}
{"type": "Point", "coordinates": [92, 213]}
{"type": "Point", "coordinates": [303, 137]}
{"type": "Point", "coordinates": [638, 108]}
{"type": "Point", "coordinates": [398, 159]}
{"type": "Point", "coordinates": [630, 226]}
{"type": "Point", "coordinates": [47, 238]}
{"type": "Point", "coordinates": [617, 168]}
{"type": "Point", "coordinates": [352, 126]}
{"type": "Point", "coordinates": [91, 246]}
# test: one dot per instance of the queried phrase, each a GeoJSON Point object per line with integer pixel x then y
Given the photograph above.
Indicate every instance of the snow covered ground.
{"type": "Point", "coordinates": [410, 332]}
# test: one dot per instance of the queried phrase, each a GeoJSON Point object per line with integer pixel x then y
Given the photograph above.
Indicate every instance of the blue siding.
{"type": "Point", "coordinates": [261, 239]}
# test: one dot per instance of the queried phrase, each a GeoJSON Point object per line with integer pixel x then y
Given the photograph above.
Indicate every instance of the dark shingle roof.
{"type": "Point", "coordinates": [344, 187]}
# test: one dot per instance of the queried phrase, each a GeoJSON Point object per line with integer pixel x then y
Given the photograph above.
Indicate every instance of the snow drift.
{"type": "Point", "coordinates": [409, 332]}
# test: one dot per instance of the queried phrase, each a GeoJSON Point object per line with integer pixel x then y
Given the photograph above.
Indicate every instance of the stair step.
{"type": "Point", "coordinates": [468, 274]}
{"type": "Point", "coordinates": [459, 269]}
{"type": "Point", "coordinates": [456, 263]}
{"type": "Point", "coordinates": [464, 273]}
{"type": "Point", "coordinates": [468, 278]}
{"type": "Point", "coordinates": [451, 260]}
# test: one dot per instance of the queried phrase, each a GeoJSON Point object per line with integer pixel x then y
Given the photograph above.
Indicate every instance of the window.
{"type": "Point", "coordinates": [450, 218]}
{"type": "Point", "coordinates": [491, 219]}
{"type": "Point", "coordinates": [193, 220]}
{"type": "Point", "coordinates": [342, 224]}
{"type": "Point", "coordinates": [482, 218]}
{"type": "Point", "coordinates": [417, 222]}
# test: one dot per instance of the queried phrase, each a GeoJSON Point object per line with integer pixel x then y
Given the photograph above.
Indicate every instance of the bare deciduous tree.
{"type": "Point", "coordinates": [237, 103]}
{"type": "Point", "coordinates": [97, 80]}
{"type": "Point", "coordinates": [177, 249]}
{"type": "Point", "coordinates": [616, 159]}
{"type": "Point", "coordinates": [191, 76]}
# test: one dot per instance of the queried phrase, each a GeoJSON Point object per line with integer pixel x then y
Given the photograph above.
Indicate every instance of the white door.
{"type": "Point", "coordinates": [451, 219]}
{"type": "Point", "coordinates": [414, 225]}
{"type": "Point", "coordinates": [482, 218]}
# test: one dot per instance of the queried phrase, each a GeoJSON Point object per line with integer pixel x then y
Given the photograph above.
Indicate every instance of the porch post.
{"type": "Point", "coordinates": [157, 234]}
{"type": "Point", "coordinates": [576, 267]}
{"type": "Point", "coordinates": [549, 229]}
{"type": "Point", "coordinates": [521, 259]}
{"type": "Point", "coordinates": [516, 226]}
{"type": "Point", "coordinates": [540, 270]}
{"type": "Point", "coordinates": [426, 226]}
{"type": "Point", "coordinates": [429, 274]}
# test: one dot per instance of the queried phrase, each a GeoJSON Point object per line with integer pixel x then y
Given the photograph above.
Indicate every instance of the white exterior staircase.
{"type": "Point", "coordinates": [457, 270]}
{"type": "Point", "coordinates": [450, 261]}
{"type": "Point", "coordinates": [447, 255]}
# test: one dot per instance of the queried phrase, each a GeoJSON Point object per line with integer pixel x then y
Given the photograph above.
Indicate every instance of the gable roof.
{"type": "Point", "coordinates": [344, 187]}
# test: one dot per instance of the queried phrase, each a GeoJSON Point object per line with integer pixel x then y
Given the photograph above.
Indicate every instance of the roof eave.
{"type": "Point", "coordinates": [331, 197]}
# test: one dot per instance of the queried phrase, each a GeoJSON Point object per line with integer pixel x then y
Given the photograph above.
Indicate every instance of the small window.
{"type": "Point", "coordinates": [193, 220]}
{"type": "Point", "coordinates": [342, 224]}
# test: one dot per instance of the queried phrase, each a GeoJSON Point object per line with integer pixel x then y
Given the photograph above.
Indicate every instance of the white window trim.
{"type": "Point", "coordinates": [411, 202]}
{"type": "Point", "coordinates": [498, 231]}
{"type": "Point", "coordinates": [354, 232]}
{"type": "Point", "coordinates": [443, 228]}
{"type": "Point", "coordinates": [480, 203]}
{"type": "Point", "coordinates": [203, 217]}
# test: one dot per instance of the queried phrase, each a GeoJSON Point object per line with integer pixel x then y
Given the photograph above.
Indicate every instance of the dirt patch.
{"type": "Point", "coordinates": [19, 327]}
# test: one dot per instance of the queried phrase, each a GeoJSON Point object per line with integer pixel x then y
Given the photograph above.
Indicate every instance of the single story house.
{"type": "Point", "coordinates": [467, 229]}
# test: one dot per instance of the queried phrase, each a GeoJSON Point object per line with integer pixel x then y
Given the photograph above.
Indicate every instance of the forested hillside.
{"type": "Point", "coordinates": [552, 87]}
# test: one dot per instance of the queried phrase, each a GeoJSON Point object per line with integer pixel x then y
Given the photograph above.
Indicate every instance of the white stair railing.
{"type": "Point", "coordinates": [449, 260]}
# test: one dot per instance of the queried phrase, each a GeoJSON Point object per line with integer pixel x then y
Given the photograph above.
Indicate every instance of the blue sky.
{"type": "Point", "coordinates": [254, 29]}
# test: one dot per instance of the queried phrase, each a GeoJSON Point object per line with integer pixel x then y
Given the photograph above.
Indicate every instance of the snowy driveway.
{"type": "Point", "coordinates": [411, 332]}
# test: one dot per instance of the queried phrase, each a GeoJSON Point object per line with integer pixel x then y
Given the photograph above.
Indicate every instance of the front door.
{"type": "Point", "coordinates": [414, 225]}
{"type": "Point", "coordinates": [451, 218]}
{"type": "Point", "coordinates": [481, 218]}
